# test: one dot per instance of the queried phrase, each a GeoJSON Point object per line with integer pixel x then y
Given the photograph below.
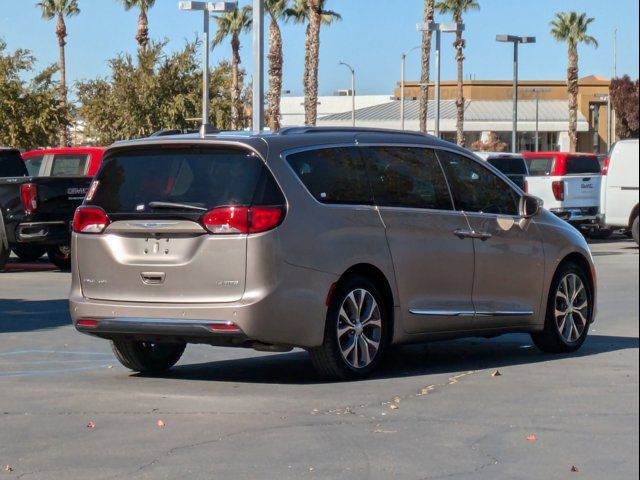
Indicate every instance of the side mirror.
{"type": "Point", "coordinates": [529, 206]}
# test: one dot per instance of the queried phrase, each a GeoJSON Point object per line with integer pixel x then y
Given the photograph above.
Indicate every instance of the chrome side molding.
{"type": "Point", "coordinates": [469, 313]}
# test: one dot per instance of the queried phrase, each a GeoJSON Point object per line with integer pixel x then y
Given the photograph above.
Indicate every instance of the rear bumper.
{"type": "Point", "coordinates": [48, 233]}
{"type": "Point", "coordinates": [578, 215]}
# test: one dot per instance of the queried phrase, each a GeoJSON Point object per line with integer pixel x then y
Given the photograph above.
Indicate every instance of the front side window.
{"type": "Point", "coordinates": [333, 175]}
{"type": "Point", "coordinates": [68, 165]}
{"type": "Point", "coordinates": [476, 188]}
{"type": "Point", "coordinates": [407, 177]}
{"type": "Point", "coordinates": [33, 165]}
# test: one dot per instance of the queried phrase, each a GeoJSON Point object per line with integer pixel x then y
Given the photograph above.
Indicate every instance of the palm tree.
{"type": "Point", "coordinates": [232, 24]}
{"type": "Point", "coordinates": [457, 8]}
{"type": "Point", "coordinates": [60, 9]}
{"type": "Point", "coordinates": [314, 14]}
{"type": "Point", "coordinates": [426, 59]}
{"type": "Point", "coordinates": [276, 10]}
{"type": "Point", "coordinates": [572, 28]}
{"type": "Point", "coordinates": [142, 35]}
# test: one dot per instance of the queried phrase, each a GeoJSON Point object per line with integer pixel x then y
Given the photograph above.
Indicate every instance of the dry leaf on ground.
{"type": "Point", "coordinates": [532, 438]}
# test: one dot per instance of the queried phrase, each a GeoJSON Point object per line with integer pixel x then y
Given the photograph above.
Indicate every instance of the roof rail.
{"type": "Point", "coordinates": [302, 130]}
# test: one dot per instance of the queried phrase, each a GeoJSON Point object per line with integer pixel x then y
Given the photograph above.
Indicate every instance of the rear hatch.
{"type": "Point", "coordinates": [582, 180]}
{"type": "Point", "coordinates": [159, 244]}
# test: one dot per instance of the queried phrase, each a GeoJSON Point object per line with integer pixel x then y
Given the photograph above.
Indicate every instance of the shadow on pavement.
{"type": "Point", "coordinates": [29, 315]}
{"type": "Point", "coordinates": [408, 361]}
{"type": "Point", "coordinates": [17, 266]}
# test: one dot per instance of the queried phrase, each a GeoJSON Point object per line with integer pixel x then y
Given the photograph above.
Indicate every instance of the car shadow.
{"type": "Point", "coordinates": [18, 266]}
{"type": "Point", "coordinates": [29, 315]}
{"type": "Point", "coordinates": [407, 361]}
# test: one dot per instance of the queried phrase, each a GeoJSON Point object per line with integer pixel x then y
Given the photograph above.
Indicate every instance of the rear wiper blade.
{"type": "Point", "coordinates": [176, 205]}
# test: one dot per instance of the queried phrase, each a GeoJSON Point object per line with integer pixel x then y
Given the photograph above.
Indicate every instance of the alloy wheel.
{"type": "Point", "coordinates": [571, 308]}
{"type": "Point", "coordinates": [359, 328]}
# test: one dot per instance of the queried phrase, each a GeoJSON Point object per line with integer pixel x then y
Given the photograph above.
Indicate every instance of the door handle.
{"type": "Point", "coordinates": [464, 233]}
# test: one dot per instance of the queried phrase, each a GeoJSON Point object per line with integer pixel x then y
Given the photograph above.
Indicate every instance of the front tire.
{"type": "Point", "coordinates": [357, 330]}
{"type": "Point", "coordinates": [147, 357]}
{"type": "Point", "coordinates": [60, 256]}
{"type": "Point", "coordinates": [569, 312]}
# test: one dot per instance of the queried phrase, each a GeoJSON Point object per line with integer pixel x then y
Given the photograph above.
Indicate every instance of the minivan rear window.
{"type": "Point", "coordinates": [580, 165]}
{"type": "Point", "coordinates": [182, 182]}
{"type": "Point", "coordinates": [540, 167]}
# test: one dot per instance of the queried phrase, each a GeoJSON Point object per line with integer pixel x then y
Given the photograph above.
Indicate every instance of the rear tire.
{"type": "Point", "coordinates": [28, 253]}
{"type": "Point", "coordinates": [569, 311]}
{"type": "Point", "coordinates": [147, 357]}
{"type": "Point", "coordinates": [60, 256]}
{"type": "Point", "coordinates": [357, 330]}
{"type": "Point", "coordinates": [634, 231]}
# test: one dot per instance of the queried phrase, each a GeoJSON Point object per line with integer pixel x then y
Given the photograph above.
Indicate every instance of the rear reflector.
{"type": "Point", "coordinates": [29, 197]}
{"type": "Point", "coordinates": [234, 220]}
{"type": "Point", "coordinates": [87, 323]}
{"type": "Point", "coordinates": [90, 220]}
{"type": "Point", "coordinates": [558, 190]}
{"type": "Point", "coordinates": [224, 327]}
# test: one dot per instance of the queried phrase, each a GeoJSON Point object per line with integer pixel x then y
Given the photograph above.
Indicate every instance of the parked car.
{"type": "Point", "coordinates": [569, 185]}
{"type": "Point", "coordinates": [37, 205]}
{"type": "Point", "coordinates": [619, 194]}
{"type": "Point", "coordinates": [339, 241]}
{"type": "Point", "coordinates": [511, 164]}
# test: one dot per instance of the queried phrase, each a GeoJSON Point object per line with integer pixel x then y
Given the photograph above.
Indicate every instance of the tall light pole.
{"type": "Point", "coordinates": [439, 28]}
{"type": "Point", "coordinates": [537, 91]}
{"type": "Point", "coordinates": [402, 84]}
{"type": "Point", "coordinates": [258, 65]}
{"type": "Point", "coordinates": [206, 8]}
{"type": "Point", "coordinates": [515, 40]}
{"type": "Point", "coordinates": [353, 92]}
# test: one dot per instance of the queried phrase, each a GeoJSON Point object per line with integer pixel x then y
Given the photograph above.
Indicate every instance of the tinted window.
{"type": "Point", "coordinates": [407, 177]}
{"type": "Point", "coordinates": [11, 164]}
{"type": "Point", "coordinates": [509, 166]}
{"type": "Point", "coordinates": [540, 167]}
{"type": "Point", "coordinates": [477, 189]}
{"type": "Point", "coordinates": [333, 175]}
{"type": "Point", "coordinates": [33, 165]}
{"type": "Point", "coordinates": [68, 165]}
{"type": "Point", "coordinates": [204, 178]}
{"type": "Point", "coordinates": [579, 165]}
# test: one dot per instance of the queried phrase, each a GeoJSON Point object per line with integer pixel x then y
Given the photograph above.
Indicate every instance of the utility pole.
{"type": "Point", "coordinates": [258, 65]}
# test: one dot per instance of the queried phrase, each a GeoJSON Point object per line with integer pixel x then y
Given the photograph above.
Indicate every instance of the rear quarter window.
{"type": "Point", "coordinates": [333, 175]}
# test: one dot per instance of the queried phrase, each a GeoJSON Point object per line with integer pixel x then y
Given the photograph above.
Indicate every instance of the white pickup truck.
{"type": "Point", "coordinates": [569, 184]}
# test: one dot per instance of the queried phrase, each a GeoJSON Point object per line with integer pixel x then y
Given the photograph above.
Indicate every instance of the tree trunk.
{"type": "Point", "coordinates": [312, 61]}
{"type": "Point", "coordinates": [275, 74]}
{"type": "Point", "coordinates": [572, 90]}
{"type": "Point", "coordinates": [235, 83]}
{"type": "Point", "coordinates": [61, 32]}
{"type": "Point", "coordinates": [142, 35]}
{"type": "Point", "coordinates": [459, 44]}
{"type": "Point", "coordinates": [426, 59]}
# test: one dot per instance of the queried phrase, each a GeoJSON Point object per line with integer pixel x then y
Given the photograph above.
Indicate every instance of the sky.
{"type": "Point", "coordinates": [371, 36]}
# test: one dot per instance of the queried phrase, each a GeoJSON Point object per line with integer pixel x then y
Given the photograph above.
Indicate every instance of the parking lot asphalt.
{"type": "Point", "coordinates": [68, 410]}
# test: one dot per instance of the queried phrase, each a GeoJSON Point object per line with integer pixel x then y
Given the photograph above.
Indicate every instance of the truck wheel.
{"type": "Point", "coordinates": [634, 231]}
{"type": "Point", "coordinates": [147, 357]}
{"type": "Point", "coordinates": [60, 256]}
{"type": "Point", "coordinates": [600, 233]}
{"type": "Point", "coordinates": [28, 253]}
{"type": "Point", "coordinates": [4, 254]}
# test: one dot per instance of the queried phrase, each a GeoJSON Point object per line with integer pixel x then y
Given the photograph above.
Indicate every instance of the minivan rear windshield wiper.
{"type": "Point", "coordinates": [176, 205]}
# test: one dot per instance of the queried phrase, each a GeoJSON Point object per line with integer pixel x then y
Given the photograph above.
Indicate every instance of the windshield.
{"type": "Point", "coordinates": [183, 181]}
{"type": "Point", "coordinates": [580, 165]}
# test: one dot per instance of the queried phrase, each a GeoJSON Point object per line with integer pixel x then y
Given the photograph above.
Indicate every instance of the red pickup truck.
{"type": "Point", "coordinates": [39, 192]}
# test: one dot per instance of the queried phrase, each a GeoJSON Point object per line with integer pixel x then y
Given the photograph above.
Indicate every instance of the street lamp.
{"type": "Point", "coordinates": [206, 8]}
{"type": "Point", "coordinates": [537, 91]}
{"type": "Point", "coordinates": [439, 28]}
{"type": "Point", "coordinates": [402, 83]}
{"type": "Point", "coordinates": [515, 40]}
{"type": "Point", "coordinates": [353, 92]}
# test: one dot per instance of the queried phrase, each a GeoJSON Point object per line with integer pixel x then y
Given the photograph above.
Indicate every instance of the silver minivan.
{"type": "Point", "coordinates": [339, 241]}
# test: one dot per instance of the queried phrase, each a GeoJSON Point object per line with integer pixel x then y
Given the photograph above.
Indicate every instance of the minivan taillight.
{"type": "Point", "coordinates": [90, 220]}
{"type": "Point", "coordinates": [29, 197]}
{"type": "Point", "coordinates": [558, 190]}
{"type": "Point", "coordinates": [234, 220]}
